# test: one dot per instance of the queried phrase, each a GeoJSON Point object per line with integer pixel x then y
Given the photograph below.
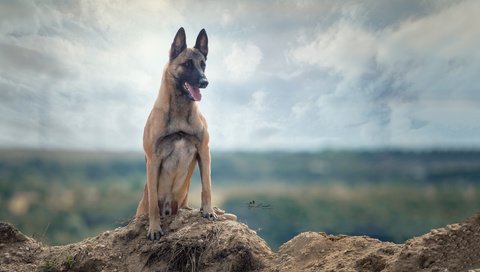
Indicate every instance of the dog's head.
{"type": "Point", "coordinates": [187, 65]}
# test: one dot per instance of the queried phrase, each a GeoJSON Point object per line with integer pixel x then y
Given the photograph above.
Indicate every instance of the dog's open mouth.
{"type": "Point", "coordinates": [193, 92]}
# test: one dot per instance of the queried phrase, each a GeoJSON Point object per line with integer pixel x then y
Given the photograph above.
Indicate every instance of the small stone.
{"type": "Point", "coordinates": [20, 237]}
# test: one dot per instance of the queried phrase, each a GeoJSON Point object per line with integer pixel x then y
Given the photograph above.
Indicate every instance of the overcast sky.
{"type": "Point", "coordinates": [283, 74]}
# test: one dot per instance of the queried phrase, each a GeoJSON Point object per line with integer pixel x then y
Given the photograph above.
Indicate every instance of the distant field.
{"type": "Point", "coordinates": [60, 196]}
{"type": "Point", "coordinates": [390, 212]}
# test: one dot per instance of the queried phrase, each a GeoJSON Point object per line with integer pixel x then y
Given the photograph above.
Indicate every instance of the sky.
{"type": "Point", "coordinates": [284, 75]}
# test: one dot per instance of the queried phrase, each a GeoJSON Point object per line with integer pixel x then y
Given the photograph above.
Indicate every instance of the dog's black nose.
{"type": "Point", "coordinates": [203, 83]}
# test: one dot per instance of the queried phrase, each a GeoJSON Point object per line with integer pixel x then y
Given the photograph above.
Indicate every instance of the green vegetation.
{"type": "Point", "coordinates": [60, 197]}
{"type": "Point", "coordinates": [69, 263]}
{"type": "Point", "coordinates": [48, 266]}
{"type": "Point", "coordinates": [388, 212]}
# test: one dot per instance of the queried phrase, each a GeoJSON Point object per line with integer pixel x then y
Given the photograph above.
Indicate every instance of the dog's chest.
{"type": "Point", "coordinates": [178, 143]}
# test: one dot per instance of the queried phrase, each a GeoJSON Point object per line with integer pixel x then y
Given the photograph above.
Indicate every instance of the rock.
{"type": "Point", "coordinates": [193, 243]}
{"type": "Point", "coordinates": [9, 234]}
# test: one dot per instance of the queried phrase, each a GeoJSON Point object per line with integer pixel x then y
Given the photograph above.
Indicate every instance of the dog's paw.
{"type": "Point", "coordinates": [155, 233]}
{"type": "Point", "coordinates": [209, 214]}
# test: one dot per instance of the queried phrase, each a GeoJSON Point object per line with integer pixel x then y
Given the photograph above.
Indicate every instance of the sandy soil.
{"type": "Point", "coordinates": [192, 243]}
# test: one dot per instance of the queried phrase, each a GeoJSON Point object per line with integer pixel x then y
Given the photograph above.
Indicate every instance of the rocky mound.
{"type": "Point", "coordinates": [192, 243]}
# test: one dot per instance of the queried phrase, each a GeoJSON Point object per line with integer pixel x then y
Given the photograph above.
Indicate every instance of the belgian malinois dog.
{"type": "Point", "coordinates": [176, 136]}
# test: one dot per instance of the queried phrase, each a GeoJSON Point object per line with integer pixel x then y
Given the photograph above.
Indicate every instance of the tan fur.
{"type": "Point", "coordinates": [175, 138]}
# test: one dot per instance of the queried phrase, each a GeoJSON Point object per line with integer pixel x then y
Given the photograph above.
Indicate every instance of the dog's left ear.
{"type": "Point", "coordinates": [202, 42]}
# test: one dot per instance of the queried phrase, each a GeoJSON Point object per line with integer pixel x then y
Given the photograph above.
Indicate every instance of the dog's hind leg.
{"type": "Point", "coordinates": [143, 204]}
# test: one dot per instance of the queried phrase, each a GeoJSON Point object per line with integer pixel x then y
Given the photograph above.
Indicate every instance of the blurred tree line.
{"type": "Point", "coordinates": [62, 196]}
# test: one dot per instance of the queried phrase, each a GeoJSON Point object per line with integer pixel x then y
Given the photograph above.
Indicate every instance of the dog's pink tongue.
{"type": "Point", "coordinates": [195, 92]}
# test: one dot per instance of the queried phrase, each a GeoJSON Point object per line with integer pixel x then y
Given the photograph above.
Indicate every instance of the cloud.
{"type": "Point", "coordinates": [248, 125]}
{"type": "Point", "coordinates": [32, 63]}
{"type": "Point", "coordinates": [242, 61]}
{"type": "Point", "coordinates": [436, 53]}
{"type": "Point", "coordinates": [300, 109]}
{"type": "Point", "coordinates": [81, 76]}
{"type": "Point", "coordinates": [345, 48]}
{"type": "Point", "coordinates": [398, 66]}
{"type": "Point", "coordinates": [305, 75]}
{"type": "Point", "coordinates": [259, 100]}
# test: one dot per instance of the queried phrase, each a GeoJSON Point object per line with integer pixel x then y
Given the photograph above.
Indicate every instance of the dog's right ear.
{"type": "Point", "coordinates": [179, 44]}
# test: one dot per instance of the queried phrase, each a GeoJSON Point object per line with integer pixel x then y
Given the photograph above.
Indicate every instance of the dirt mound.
{"type": "Point", "coordinates": [453, 248]}
{"type": "Point", "coordinates": [317, 251]}
{"type": "Point", "coordinates": [192, 243]}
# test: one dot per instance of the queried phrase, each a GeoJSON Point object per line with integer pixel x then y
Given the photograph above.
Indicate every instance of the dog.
{"type": "Point", "coordinates": [176, 136]}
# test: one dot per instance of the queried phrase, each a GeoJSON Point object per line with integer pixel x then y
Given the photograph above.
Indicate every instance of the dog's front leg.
{"type": "Point", "coordinates": [154, 229]}
{"type": "Point", "coordinates": [204, 165]}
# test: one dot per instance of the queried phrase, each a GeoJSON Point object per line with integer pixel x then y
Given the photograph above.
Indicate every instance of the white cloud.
{"type": "Point", "coordinates": [380, 73]}
{"type": "Point", "coordinates": [242, 61]}
{"type": "Point", "coordinates": [353, 50]}
{"type": "Point", "coordinates": [248, 125]}
{"type": "Point", "coordinates": [259, 100]}
{"type": "Point", "coordinates": [346, 48]}
{"type": "Point", "coordinates": [300, 109]}
{"type": "Point", "coordinates": [436, 54]}
{"type": "Point", "coordinates": [91, 70]}
{"type": "Point", "coordinates": [84, 74]}
{"type": "Point", "coordinates": [226, 18]}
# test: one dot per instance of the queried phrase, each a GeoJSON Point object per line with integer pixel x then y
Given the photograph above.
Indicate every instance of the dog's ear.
{"type": "Point", "coordinates": [179, 44]}
{"type": "Point", "coordinates": [202, 42]}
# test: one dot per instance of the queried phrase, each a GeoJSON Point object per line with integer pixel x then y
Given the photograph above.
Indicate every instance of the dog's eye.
{"type": "Point", "coordinates": [188, 64]}
{"type": "Point", "coordinates": [202, 65]}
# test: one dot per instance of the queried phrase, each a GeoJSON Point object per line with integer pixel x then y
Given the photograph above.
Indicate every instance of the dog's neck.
{"type": "Point", "coordinates": [179, 106]}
